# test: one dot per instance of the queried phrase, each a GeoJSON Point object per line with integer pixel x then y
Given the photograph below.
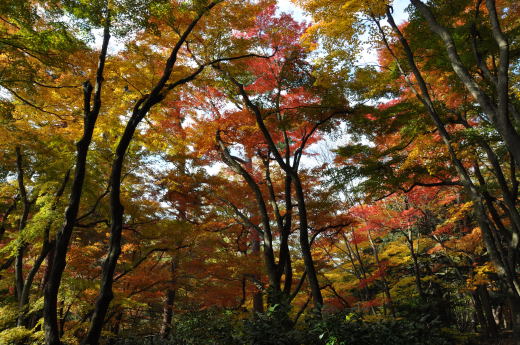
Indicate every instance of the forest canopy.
{"type": "Point", "coordinates": [223, 172]}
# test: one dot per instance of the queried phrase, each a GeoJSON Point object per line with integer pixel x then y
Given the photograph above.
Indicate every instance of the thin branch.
{"type": "Point", "coordinates": [139, 262]}
{"type": "Point", "coordinates": [32, 104]}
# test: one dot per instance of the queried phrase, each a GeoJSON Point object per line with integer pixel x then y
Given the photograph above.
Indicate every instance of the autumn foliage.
{"type": "Point", "coordinates": [221, 172]}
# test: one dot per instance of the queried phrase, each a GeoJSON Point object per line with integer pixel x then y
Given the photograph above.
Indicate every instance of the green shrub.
{"type": "Point", "coordinates": [207, 327]}
{"type": "Point", "coordinates": [271, 328]}
{"type": "Point", "coordinates": [8, 315]}
{"type": "Point", "coordinates": [18, 336]}
{"type": "Point", "coordinates": [349, 329]}
{"type": "Point", "coordinates": [220, 327]}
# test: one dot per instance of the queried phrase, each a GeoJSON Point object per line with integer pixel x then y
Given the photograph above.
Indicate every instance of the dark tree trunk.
{"type": "Point", "coordinates": [51, 330]}
{"type": "Point", "coordinates": [47, 247]}
{"type": "Point", "coordinates": [479, 313]}
{"type": "Point", "coordinates": [416, 268]}
{"type": "Point", "coordinates": [305, 246]}
{"type": "Point", "coordinates": [501, 256]}
{"type": "Point", "coordinates": [258, 298]}
{"type": "Point", "coordinates": [302, 210]}
{"type": "Point", "coordinates": [491, 326]}
{"type": "Point", "coordinates": [167, 315]}
{"type": "Point", "coordinates": [18, 262]}
{"type": "Point", "coordinates": [140, 110]}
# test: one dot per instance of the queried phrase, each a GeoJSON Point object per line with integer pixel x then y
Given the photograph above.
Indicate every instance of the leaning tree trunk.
{"type": "Point", "coordinates": [494, 247]}
{"type": "Point", "coordinates": [305, 247]}
{"type": "Point", "coordinates": [51, 330]}
{"type": "Point", "coordinates": [140, 110]}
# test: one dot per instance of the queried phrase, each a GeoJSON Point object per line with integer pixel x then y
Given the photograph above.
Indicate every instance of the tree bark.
{"type": "Point", "coordinates": [51, 330]}
{"type": "Point", "coordinates": [493, 247]}
{"type": "Point", "coordinates": [47, 246]}
{"type": "Point", "coordinates": [386, 289]}
{"type": "Point", "coordinates": [18, 266]}
{"type": "Point", "coordinates": [258, 299]}
{"type": "Point", "coordinates": [498, 114]}
{"type": "Point", "coordinates": [302, 210]}
{"type": "Point", "coordinates": [141, 109]}
{"type": "Point", "coordinates": [416, 268]}
{"type": "Point", "coordinates": [491, 325]}
{"type": "Point", "coordinates": [167, 316]}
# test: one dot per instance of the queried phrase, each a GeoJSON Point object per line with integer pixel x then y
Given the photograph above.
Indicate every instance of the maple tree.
{"type": "Point", "coordinates": [446, 88]}
{"type": "Point", "coordinates": [167, 175]}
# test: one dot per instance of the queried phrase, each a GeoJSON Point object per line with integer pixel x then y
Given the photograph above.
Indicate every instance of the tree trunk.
{"type": "Point", "coordinates": [167, 317]}
{"type": "Point", "coordinates": [51, 330]}
{"type": "Point", "coordinates": [166, 326]}
{"type": "Point", "coordinates": [385, 283]}
{"type": "Point", "coordinates": [18, 262]}
{"type": "Point", "coordinates": [494, 247]}
{"type": "Point", "coordinates": [417, 271]}
{"type": "Point", "coordinates": [47, 247]}
{"type": "Point", "coordinates": [306, 248]}
{"type": "Point", "coordinates": [258, 300]}
{"type": "Point", "coordinates": [498, 114]}
{"type": "Point", "coordinates": [140, 110]}
{"type": "Point", "coordinates": [479, 313]}
{"type": "Point", "coordinates": [491, 326]}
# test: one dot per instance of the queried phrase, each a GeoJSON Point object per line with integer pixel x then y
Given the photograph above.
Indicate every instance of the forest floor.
{"type": "Point", "coordinates": [505, 338]}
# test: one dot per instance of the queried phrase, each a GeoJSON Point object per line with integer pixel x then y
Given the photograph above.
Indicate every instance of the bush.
{"type": "Point", "coordinates": [350, 329]}
{"type": "Point", "coordinates": [18, 336]}
{"type": "Point", "coordinates": [207, 327]}
{"type": "Point", "coordinates": [218, 327]}
{"type": "Point", "coordinates": [271, 328]}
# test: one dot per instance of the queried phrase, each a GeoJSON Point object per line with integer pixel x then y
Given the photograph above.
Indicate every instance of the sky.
{"type": "Point", "coordinates": [321, 152]}
{"type": "Point", "coordinates": [368, 56]}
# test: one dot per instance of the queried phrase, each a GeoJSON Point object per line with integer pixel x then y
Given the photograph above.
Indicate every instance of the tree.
{"type": "Point", "coordinates": [455, 122]}
{"type": "Point", "coordinates": [284, 98]}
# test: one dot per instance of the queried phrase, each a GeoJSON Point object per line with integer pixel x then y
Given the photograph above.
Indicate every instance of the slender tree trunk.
{"type": "Point", "coordinates": [140, 110]}
{"type": "Point", "coordinates": [479, 313]}
{"type": "Point", "coordinates": [24, 298]}
{"type": "Point", "coordinates": [286, 231]}
{"type": "Point", "coordinates": [258, 299]}
{"type": "Point", "coordinates": [268, 253]}
{"type": "Point", "coordinates": [18, 262]}
{"type": "Point", "coordinates": [305, 246]}
{"type": "Point", "coordinates": [491, 326]}
{"type": "Point", "coordinates": [386, 289]}
{"type": "Point", "coordinates": [167, 317]}
{"type": "Point", "coordinates": [357, 271]}
{"type": "Point", "coordinates": [364, 273]}
{"type": "Point", "coordinates": [106, 294]}
{"type": "Point", "coordinates": [417, 270]}
{"type": "Point", "coordinates": [6, 214]}
{"type": "Point", "coordinates": [47, 246]}
{"type": "Point", "coordinates": [116, 328]}
{"type": "Point", "coordinates": [51, 330]}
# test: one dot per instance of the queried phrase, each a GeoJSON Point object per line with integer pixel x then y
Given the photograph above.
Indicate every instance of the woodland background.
{"type": "Point", "coordinates": [218, 172]}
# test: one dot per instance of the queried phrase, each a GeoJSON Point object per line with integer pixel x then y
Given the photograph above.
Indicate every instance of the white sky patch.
{"type": "Point", "coordinates": [286, 6]}
{"type": "Point", "coordinates": [368, 55]}
{"type": "Point", "coordinates": [322, 152]}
